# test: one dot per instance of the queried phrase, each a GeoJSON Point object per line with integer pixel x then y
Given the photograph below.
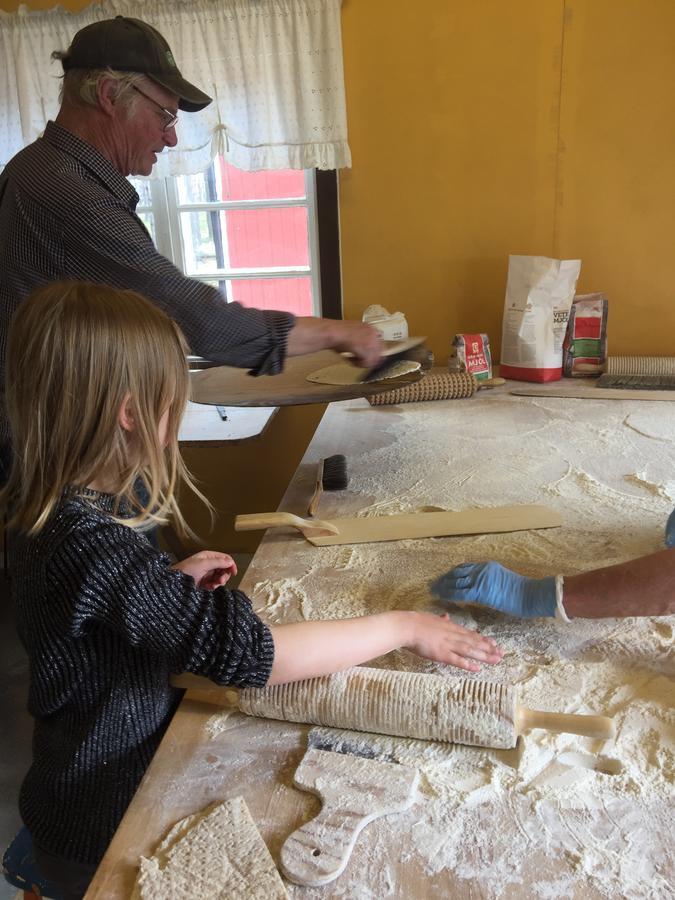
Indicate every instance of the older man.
{"type": "Point", "coordinates": [68, 211]}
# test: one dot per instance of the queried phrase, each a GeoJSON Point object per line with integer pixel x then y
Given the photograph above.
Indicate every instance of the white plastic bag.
{"type": "Point", "coordinates": [392, 326]}
{"type": "Point", "coordinates": [539, 294]}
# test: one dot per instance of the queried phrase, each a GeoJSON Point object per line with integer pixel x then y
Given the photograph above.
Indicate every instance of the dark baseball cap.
{"type": "Point", "coordinates": [130, 45]}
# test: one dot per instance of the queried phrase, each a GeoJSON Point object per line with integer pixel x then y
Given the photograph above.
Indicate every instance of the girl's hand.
{"type": "Point", "coordinates": [440, 639]}
{"type": "Point", "coordinates": [209, 568]}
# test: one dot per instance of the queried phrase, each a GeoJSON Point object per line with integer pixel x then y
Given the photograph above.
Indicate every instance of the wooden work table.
{"type": "Point", "coordinates": [450, 454]}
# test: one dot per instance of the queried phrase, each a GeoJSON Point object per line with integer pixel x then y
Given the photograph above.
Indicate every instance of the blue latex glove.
{"type": "Point", "coordinates": [493, 585]}
{"type": "Point", "coordinates": [670, 530]}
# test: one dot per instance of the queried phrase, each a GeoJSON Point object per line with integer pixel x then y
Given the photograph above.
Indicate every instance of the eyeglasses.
{"type": "Point", "coordinates": [170, 118]}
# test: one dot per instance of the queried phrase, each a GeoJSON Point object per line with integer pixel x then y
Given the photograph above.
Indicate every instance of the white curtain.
{"type": "Point", "coordinates": [273, 67]}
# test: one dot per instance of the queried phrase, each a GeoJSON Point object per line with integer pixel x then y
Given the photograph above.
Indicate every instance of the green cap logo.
{"type": "Point", "coordinates": [171, 61]}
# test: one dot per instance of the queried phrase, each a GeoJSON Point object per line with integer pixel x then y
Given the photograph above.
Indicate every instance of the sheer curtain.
{"type": "Point", "coordinates": [273, 67]}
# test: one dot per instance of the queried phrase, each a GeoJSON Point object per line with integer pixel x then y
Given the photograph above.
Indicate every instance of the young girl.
{"type": "Point", "coordinates": [97, 382]}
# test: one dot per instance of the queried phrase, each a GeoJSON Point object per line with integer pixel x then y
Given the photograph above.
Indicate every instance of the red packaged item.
{"type": "Point", "coordinates": [471, 353]}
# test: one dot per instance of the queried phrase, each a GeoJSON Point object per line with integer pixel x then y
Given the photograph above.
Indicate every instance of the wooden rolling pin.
{"type": "Point", "coordinates": [632, 365]}
{"type": "Point", "coordinates": [434, 386]}
{"type": "Point", "coordinates": [405, 704]}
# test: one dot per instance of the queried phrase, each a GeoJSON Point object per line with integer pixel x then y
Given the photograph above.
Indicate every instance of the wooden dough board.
{"type": "Point", "coordinates": [408, 526]}
{"type": "Point", "coordinates": [594, 393]}
{"type": "Point", "coordinates": [354, 791]}
{"type": "Point", "coordinates": [227, 386]}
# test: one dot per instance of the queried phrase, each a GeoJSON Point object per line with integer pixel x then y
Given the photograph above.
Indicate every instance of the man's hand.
{"type": "Point", "coordinates": [493, 585]}
{"type": "Point", "coordinates": [309, 335]}
{"type": "Point", "coordinates": [361, 339]}
{"type": "Point", "coordinates": [209, 568]}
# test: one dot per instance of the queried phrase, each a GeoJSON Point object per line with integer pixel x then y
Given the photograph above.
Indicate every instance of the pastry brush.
{"type": "Point", "coordinates": [331, 475]}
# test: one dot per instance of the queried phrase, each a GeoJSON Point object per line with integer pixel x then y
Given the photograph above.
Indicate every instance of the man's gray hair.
{"type": "Point", "coordinates": [81, 86]}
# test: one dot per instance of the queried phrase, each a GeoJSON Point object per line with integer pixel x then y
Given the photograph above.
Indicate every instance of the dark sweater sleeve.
{"type": "Point", "coordinates": [118, 581]}
{"type": "Point", "coordinates": [108, 243]}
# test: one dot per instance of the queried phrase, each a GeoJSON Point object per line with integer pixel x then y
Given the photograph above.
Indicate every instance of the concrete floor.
{"type": "Point", "coordinates": [15, 726]}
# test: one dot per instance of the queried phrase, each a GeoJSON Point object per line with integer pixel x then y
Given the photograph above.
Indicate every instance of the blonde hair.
{"type": "Point", "coordinates": [77, 352]}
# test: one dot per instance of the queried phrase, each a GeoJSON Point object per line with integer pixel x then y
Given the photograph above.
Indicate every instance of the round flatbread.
{"type": "Point", "coordinates": [343, 373]}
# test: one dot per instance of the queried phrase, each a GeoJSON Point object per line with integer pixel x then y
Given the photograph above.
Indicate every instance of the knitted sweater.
{"type": "Point", "coordinates": [105, 621]}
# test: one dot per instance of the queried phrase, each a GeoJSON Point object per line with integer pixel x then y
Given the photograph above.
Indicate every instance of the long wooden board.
{"type": "Point", "coordinates": [227, 386]}
{"type": "Point", "coordinates": [406, 526]}
{"type": "Point", "coordinates": [593, 393]}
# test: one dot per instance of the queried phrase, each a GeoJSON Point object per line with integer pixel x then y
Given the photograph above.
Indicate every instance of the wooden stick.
{"type": "Point", "coordinates": [318, 490]}
{"type": "Point", "coordinates": [565, 723]}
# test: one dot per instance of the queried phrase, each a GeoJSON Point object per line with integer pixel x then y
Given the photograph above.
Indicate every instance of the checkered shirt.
{"type": "Point", "coordinates": [67, 213]}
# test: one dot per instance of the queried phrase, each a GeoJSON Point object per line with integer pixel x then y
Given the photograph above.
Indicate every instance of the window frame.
{"type": "Point", "coordinates": [321, 203]}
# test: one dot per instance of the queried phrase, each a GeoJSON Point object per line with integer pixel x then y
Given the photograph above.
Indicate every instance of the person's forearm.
{"type": "Point", "coordinates": [363, 341]}
{"type": "Point", "coordinates": [308, 649]}
{"type": "Point", "coordinates": [640, 587]}
{"type": "Point", "coordinates": [310, 334]}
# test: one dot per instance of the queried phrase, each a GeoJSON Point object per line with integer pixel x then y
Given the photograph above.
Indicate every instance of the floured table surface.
{"type": "Point", "coordinates": [560, 817]}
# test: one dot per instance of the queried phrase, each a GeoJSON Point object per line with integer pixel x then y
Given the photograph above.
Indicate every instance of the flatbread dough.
{"type": "Point", "coordinates": [216, 854]}
{"type": "Point", "coordinates": [343, 373]}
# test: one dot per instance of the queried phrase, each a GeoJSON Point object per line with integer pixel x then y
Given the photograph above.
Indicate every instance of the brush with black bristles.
{"type": "Point", "coordinates": [331, 475]}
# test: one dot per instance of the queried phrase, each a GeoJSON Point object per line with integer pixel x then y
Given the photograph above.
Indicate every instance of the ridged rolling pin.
{"type": "Point", "coordinates": [631, 365]}
{"type": "Point", "coordinates": [404, 704]}
{"type": "Point", "coordinates": [434, 386]}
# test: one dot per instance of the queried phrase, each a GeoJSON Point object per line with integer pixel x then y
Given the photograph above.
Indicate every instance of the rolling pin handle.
{"type": "Point", "coordinates": [568, 723]}
{"type": "Point", "coordinates": [205, 690]}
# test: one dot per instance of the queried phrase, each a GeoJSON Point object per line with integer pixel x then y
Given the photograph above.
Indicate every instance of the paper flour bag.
{"type": "Point", "coordinates": [539, 294]}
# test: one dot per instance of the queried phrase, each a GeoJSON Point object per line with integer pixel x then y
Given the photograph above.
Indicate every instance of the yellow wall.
{"type": "Point", "coordinates": [487, 128]}
{"type": "Point", "coordinates": [480, 129]}
{"type": "Point", "coordinates": [484, 128]}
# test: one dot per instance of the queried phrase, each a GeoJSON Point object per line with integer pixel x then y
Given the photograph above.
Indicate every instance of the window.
{"type": "Point", "coordinates": [253, 235]}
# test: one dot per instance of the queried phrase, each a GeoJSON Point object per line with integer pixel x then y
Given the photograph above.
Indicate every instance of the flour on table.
{"type": "Point", "coordinates": [660, 490]}
{"type": "Point", "coordinates": [560, 816]}
{"type": "Point", "coordinates": [216, 854]}
{"type": "Point", "coordinates": [660, 428]}
{"type": "Point", "coordinates": [222, 721]}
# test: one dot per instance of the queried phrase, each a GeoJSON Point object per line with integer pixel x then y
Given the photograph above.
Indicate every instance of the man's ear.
{"type": "Point", "coordinates": [108, 95]}
{"type": "Point", "coordinates": [125, 416]}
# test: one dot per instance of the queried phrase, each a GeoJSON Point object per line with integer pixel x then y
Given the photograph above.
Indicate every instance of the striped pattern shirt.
{"type": "Point", "coordinates": [67, 213]}
{"type": "Point", "coordinates": [104, 621]}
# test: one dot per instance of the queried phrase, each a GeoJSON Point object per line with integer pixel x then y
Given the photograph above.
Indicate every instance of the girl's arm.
{"type": "Point", "coordinates": [217, 634]}
{"type": "Point", "coordinates": [308, 649]}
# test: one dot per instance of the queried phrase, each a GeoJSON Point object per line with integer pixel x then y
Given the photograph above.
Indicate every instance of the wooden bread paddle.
{"type": "Point", "coordinates": [361, 530]}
